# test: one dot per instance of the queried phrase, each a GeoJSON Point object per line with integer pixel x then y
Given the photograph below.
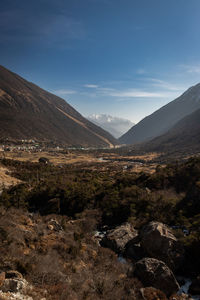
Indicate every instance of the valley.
{"type": "Point", "coordinates": [99, 150]}
{"type": "Point", "coordinates": [54, 211]}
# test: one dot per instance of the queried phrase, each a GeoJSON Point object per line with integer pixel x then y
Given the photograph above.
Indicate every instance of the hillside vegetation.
{"type": "Point", "coordinates": [54, 213]}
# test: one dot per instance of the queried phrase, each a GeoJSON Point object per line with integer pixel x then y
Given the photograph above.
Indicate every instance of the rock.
{"type": "Point", "coordinates": [195, 286]}
{"type": "Point", "coordinates": [15, 296]}
{"type": "Point", "coordinates": [117, 238]}
{"type": "Point", "coordinates": [13, 274]}
{"type": "Point", "coordinates": [134, 251]}
{"type": "Point", "coordinates": [158, 241]}
{"type": "Point", "coordinates": [50, 227]}
{"type": "Point", "coordinates": [155, 273]}
{"type": "Point", "coordinates": [14, 285]}
{"type": "Point", "coordinates": [54, 225]}
{"type": "Point", "coordinates": [43, 160]}
{"type": "Point", "coordinates": [150, 293]}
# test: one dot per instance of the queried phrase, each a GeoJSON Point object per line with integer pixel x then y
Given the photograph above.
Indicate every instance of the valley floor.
{"type": "Point", "coordinates": [49, 214]}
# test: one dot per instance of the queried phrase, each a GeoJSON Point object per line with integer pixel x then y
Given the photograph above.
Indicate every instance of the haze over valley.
{"type": "Point", "coordinates": [116, 126]}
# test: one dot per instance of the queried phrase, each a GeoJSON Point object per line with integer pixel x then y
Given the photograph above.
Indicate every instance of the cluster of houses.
{"type": "Point", "coordinates": [26, 146]}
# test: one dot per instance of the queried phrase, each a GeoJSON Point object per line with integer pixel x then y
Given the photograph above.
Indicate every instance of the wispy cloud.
{"type": "Point", "coordinates": [128, 93]}
{"type": "Point", "coordinates": [151, 88]}
{"type": "Point", "coordinates": [191, 68]}
{"type": "Point", "coordinates": [133, 93]}
{"type": "Point", "coordinates": [165, 85]}
{"type": "Point", "coordinates": [91, 86]}
{"type": "Point", "coordinates": [49, 27]}
{"type": "Point", "coordinates": [64, 92]}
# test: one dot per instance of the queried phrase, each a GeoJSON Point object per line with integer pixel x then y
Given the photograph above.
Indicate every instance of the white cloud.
{"type": "Point", "coordinates": [133, 93]}
{"type": "Point", "coordinates": [91, 86]}
{"type": "Point", "coordinates": [166, 85]}
{"type": "Point", "coordinates": [64, 92]}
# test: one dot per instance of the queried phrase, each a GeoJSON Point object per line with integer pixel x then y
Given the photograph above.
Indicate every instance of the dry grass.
{"type": "Point", "coordinates": [5, 179]}
{"type": "Point", "coordinates": [91, 160]}
{"type": "Point", "coordinates": [55, 157]}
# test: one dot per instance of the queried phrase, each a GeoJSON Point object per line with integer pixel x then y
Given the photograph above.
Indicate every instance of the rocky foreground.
{"type": "Point", "coordinates": [155, 254]}
{"type": "Point", "coordinates": [54, 257]}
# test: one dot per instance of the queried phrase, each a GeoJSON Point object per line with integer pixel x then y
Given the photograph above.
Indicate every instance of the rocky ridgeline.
{"type": "Point", "coordinates": [156, 254]}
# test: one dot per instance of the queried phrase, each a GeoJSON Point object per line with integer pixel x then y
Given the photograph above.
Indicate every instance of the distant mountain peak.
{"type": "Point", "coordinates": [115, 125]}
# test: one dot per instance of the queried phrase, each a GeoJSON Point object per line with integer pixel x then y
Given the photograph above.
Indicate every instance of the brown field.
{"type": "Point", "coordinates": [56, 158]}
{"type": "Point", "coordinates": [91, 160]}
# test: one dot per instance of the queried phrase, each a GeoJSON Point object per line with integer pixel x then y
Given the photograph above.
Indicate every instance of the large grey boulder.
{"type": "Point", "coordinates": [117, 238]}
{"type": "Point", "coordinates": [155, 273]}
{"type": "Point", "coordinates": [158, 241]}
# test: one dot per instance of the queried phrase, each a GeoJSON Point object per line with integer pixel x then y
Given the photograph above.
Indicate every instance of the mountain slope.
{"type": "Point", "coordinates": [116, 126]}
{"type": "Point", "coordinates": [165, 118]}
{"type": "Point", "coordinates": [27, 111]}
{"type": "Point", "coordinates": [185, 135]}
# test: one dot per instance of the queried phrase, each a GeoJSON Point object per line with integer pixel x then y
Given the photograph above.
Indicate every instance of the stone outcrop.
{"type": "Point", "coordinates": [117, 238]}
{"type": "Point", "coordinates": [155, 273]}
{"type": "Point", "coordinates": [14, 285]}
{"type": "Point", "coordinates": [54, 225]}
{"type": "Point", "coordinates": [158, 242]}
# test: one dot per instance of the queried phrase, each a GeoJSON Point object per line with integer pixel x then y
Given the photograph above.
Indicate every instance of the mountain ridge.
{"type": "Point", "coordinates": [164, 118]}
{"type": "Point", "coordinates": [28, 111]}
{"type": "Point", "coordinates": [184, 135]}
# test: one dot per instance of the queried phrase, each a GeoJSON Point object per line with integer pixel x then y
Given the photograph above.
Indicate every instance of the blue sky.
{"type": "Point", "coordinates": [125, 58]}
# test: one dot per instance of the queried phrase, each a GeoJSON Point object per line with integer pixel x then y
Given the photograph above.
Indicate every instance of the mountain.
{"type": "Point", "coordinates": [185, 135]}
{"type": "Point", "coordinates": [29, 112]}
{"type": "Point", "coordinates": [165, 118]}
{"type": "Point", "coordinates": [116, 126]}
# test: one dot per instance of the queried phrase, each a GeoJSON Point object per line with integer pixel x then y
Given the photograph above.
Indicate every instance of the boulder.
{"type": "Point", "coordinates": [195, 286]}
{"type": "Point", "coordinates": [14, 285]}
{"type": "Point", "coordinates": [54, 225]}
{"type": "Point", "coordinates": [155, 273]}
{"type": "Point", "coordinates": [134, 251]}
{"type": "Point", "coordinates": [158, 241]}
{"type": "Point", "coordinates": [117, 238]}
{"type": "Point", "coordinates": [12, 274]}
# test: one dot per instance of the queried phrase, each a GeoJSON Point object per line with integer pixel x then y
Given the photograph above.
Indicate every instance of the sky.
{"type": "Point", "coordinates": [125, 58]}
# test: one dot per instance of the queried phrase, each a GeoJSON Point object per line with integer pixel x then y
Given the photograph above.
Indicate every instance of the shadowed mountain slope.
{"type": "Point", "coordinates": [29, 112]}
{"type": "Point", "coordinates": [184, 135]}
{"type": "Point", "coordinates": [165, 118]}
